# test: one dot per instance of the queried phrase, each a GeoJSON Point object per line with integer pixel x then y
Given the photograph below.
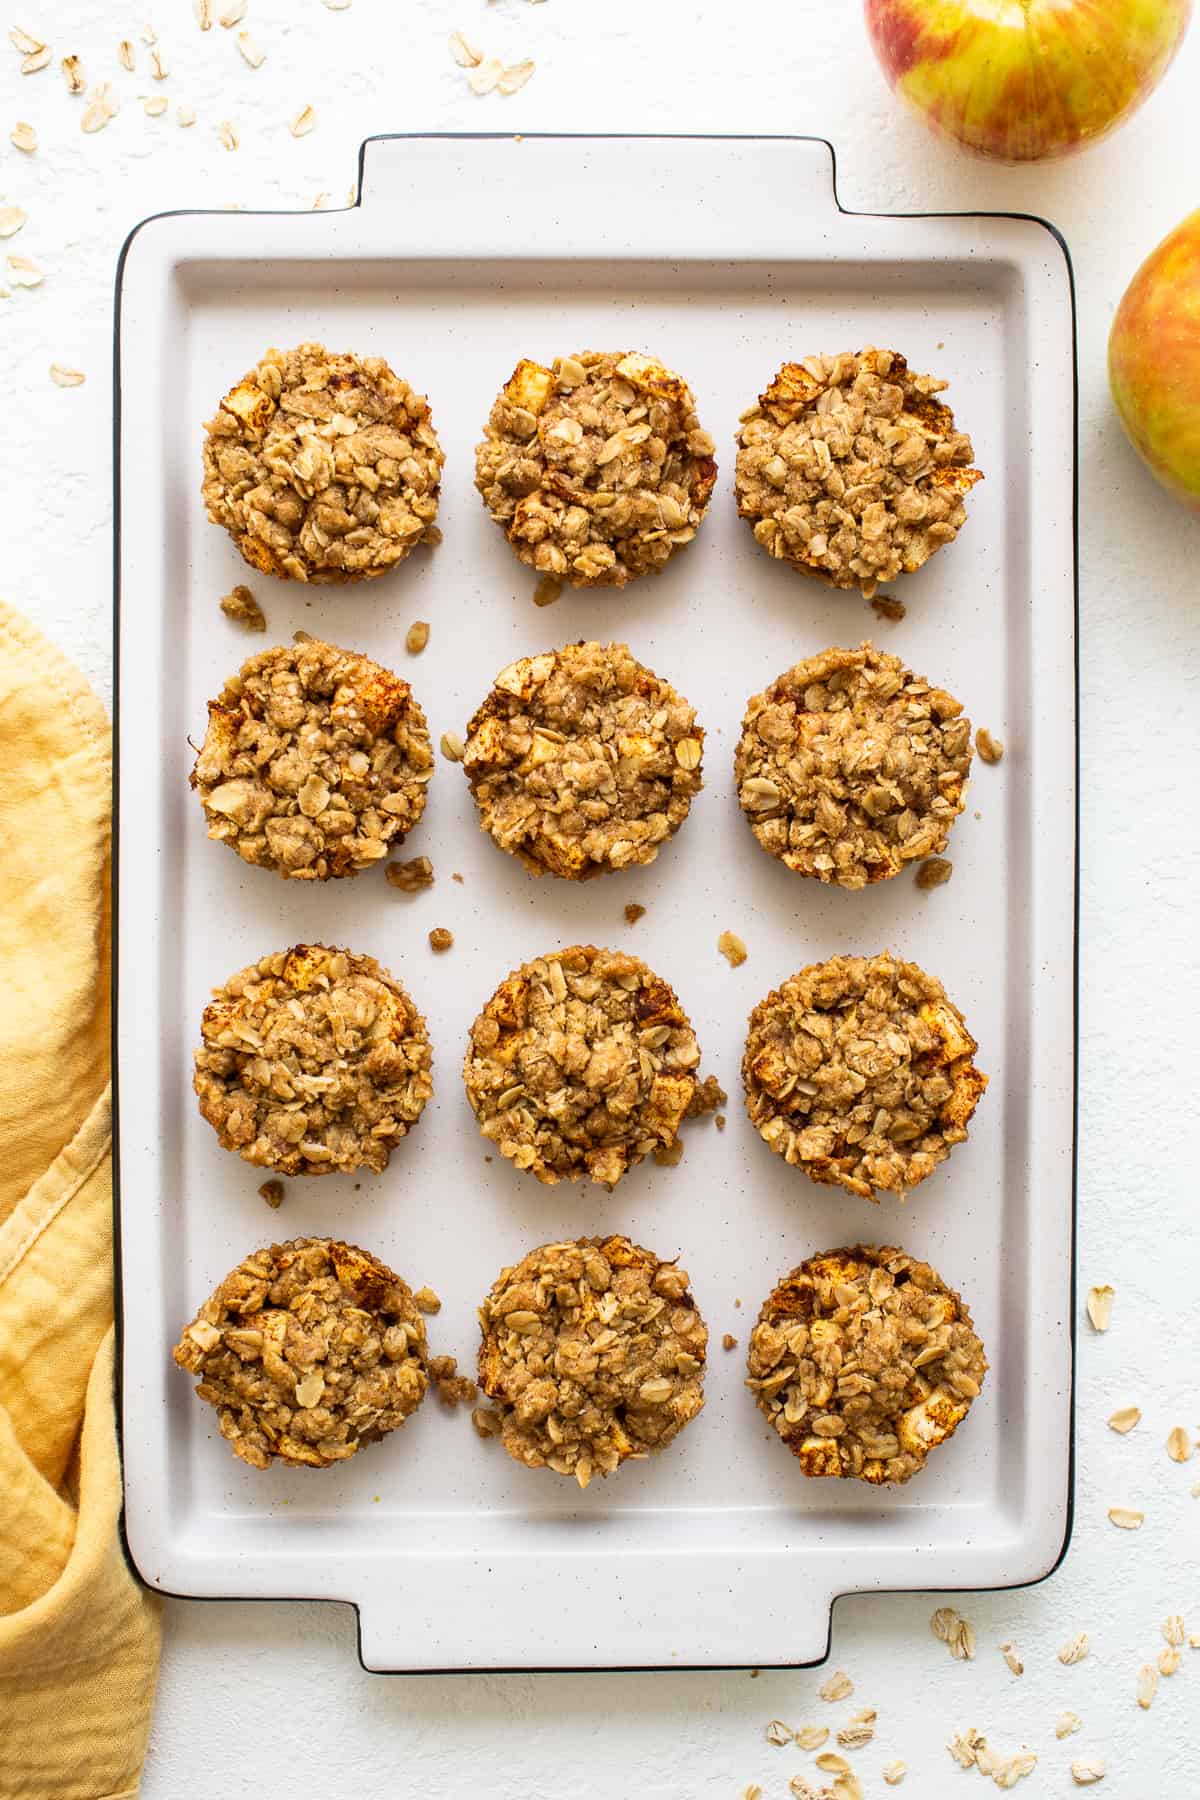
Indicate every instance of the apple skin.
{"type": "Point", "coordinates": [1154, 362]}
{"type": "Point", "coordinates": [1022, 80]}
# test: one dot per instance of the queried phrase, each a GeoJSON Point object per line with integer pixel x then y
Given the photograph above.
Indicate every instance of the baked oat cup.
{"type": "Point", "coordinates": [581, 1063]}
{"type": "Point", "coordinates": [859, 1071]}
{"type": "Point", "coordinates": [597, 469]}
{"type": "Point", "coordinates": [849, 766]}
{"type": "Point", "coordinates": [322, 466]}
{"type": "Point", "coordinates": [582, 760]}
{"type": "Point", "coordinates": [315, 762]}
{"type": "Point", "coordinates": [593, 1354]}
{"type": "Point", "coordinates": [864, 1361]}
{"type": "Point", "coordinates": [312, 1061]}
{"type": "Point", "coordinates": [849, 469]}
{"type": "Point", "coordinates": [307, 1351]}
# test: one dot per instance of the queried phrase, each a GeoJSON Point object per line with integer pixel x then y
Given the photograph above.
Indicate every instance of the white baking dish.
{"type": "Point", "coordinates": [725, 257]}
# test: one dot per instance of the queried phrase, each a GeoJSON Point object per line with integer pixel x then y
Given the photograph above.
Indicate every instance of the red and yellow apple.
{"type": "Point", "coordinates": [1154, 361]}
{"type": "Point", "coordinates": [1020, 80]}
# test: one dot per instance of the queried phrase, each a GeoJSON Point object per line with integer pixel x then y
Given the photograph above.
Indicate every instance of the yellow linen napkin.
{"type": "Point", "coordinates": [79, 1638]}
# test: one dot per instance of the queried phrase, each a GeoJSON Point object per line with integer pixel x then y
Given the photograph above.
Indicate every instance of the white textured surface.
{"type": "Point", "coordinates": [249, 1692]}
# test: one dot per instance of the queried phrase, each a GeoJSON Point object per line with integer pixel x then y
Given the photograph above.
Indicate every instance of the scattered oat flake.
{"type": "Point", "coordinates": [1179, 1445]}
{"type": "Point", "coordinates": [989, 747]}
{"type": "Point", "coordinates": [1147, 1686]}
{"type": "Point", "coordinates": [779, 1733]}
{"type": "Point", "coordinates": [127, 55]}
{"type": "Point", "coordinates": [799, 1789]}
{"type": "Point", "coordinates": [158, 67]}
{"type": "Point", "coordinates": [934, 872]}
{"type": "Point", "coordinates": [338, 5]}
{"type": "Point", "coordinates": [12, 220]}
{"type": "Point", "coordinates": [272, 1192]}
{"type": "Point", "coordinates": [732, 949]}
{"type": "Point", "coordinates": [24, 41]}
{"type": "Point", "coordinates": [514, 77]}
{"type": "Point", "coordinates": [809, 1737]}
{"type": "Point", "coordinates": [37, 59]}
{"type": "Point", "coordinates": [65, 377]}
{"type": "Point", "coordinates": [1099, 1306]}
{"type": "Point", "coordinates": [858, 1731]}
{"type": "Point", "coordinates": [1126, 1518]}
{"type": "Point", "coordinates": [148, 35]}
{"type": "Point", "coordinates": [1168, 1660]}
{"type": "Point", "coordinates": [233, 15]}
{"type": "Point", "coordinates": [303, 122]}
{"type": "Point", "coordinates": [240, 605]}
{"type": "Point", "coordinates": [416, 637]}
{"type": "Point", "coordinates": [483, 79]}
{"type": "Point", "coordinates": [547, 591]}
{"type": "Point", "coordinates": [830, 1763]}
{"type": "Point", "coordinates": [753, 1792]}
{"type": "Point", "coordinates": [440, 939]}
{"type": "Point", "coordinates": [204, 14]}
{"type": "Point", "coordinates": [250, 50]}
{"type": "Point", "coordinates": [154, 105]}
{"type": "Point", "coordinates": [1009, 1653]}
{"type": "Point", "coordinates": [894, 1772]}
{"type": "Point", "coordinates": [227, 135]}
{"type": "Point", "coordinates": [1087, 1770]}
{"type": "Point", "coordinates": [426, 1301]}
{"type": "Point", "coordinates": [1066, 1724]}
{"type": "Point", "coordinates": [452, 746]}
{"type": "Point", "coordinates": [24, 272]}
{"type": "Point", "coordinates": [1074, 1650]}
{"type": "Point", "coordinates": [321, 201]}
{"type": "Point", "coordinates": [23, 137]}
{"type": "Point", "coordinates": [1124, 1419]}
{"type": "Point", "coordinates": [955, 1631]}
{"type": "Point", "coordinates": [73, 74]}
{"type": "Point", "coordinates": [965, 1746]}
{"type": "Point", "coordinates": [185, 116]}
{"type": "Point", "coordinates": [837, 1687]}
{"type": "Point", "coordinates": [1174, 1630]}
{"type": "Point", "coordinates": [464, 54]}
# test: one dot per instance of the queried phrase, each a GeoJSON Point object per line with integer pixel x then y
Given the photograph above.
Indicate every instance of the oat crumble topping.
{"type": "Point", "coordinates": [581, 1063]}
{"type": "Point", "coordinates": [315, 761]}
{"type": "Point", "coordinates": [308, 1351]}
{"type": "Point", "coordinates": [849, 766]}
{"type": "Point", "coordinates": [240, 605]}
{"type": "Point", "coordinates": [863, 1361]}
{"type": "Point", "coordinates": [313, 1061]}
{"type": "Point", "coordinates": [593, 1352]}
{"type": "Point", "coordinates": [858, 1071]}
{"type": "Point", "coordinates": [849, 468]}
{"type": "Point", "coordinates": [596, 468]}
{"type": "Point", "coordinates": [581, 760]}
{"type": "Point", "coordinates": [322, 466]}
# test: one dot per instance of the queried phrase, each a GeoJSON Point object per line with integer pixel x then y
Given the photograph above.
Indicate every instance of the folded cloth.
{"type": "Point", "coordinates": [79, 1637]}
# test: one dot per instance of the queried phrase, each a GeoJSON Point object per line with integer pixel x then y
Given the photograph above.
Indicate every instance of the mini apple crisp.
{"type": "Point", "coordinates": [850, 766]}
{"type": "Point", "coordinates": [307, 1351]}
{"type": "Point", "coordinates": [849, 469]}
{"type": "Point", "coordinates": [312, 1062]}
{"type": "Point", "coordinates": [858, 1071]}
{"type": "Point", "coordinates": [597, 468]}
{"type": "Point", "coordinates": [863, 1361]}
{"type": "Point", "coordinates": [322, 466]}
{"type": "Point", "coordinates": [315, 762]}
{"type": "Point", "coordinates": [581, 760]}
{"type": "Point", "coordinates": [593, 1353]}
{"type": "Point", "coordinates": [581, 1063]}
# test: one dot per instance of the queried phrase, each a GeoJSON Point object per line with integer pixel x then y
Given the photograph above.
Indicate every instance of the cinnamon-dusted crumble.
{"type": "Point", "coordinates": [581, 1063]}
{"type": "Point", "coordinates": [582, 760]}
{"type": "Point", "coordinates": [593, 1353]}
{"type": "Point", "coordinates": [322, 466]}
{"type": "Point", "coordinates": [851, 470]}
{"type": "Point", "coordinates": [312, 1062]}
{"type": "Point", "coordinates": [859, 1071]}
{"type": "Point", "coordinates": [596, 468]}
{"type": "Point", "coordinates": [315, 762]}
{"type": "Point", "coordinates": [863, 1361]}
{"type": "Point", "coordinates": [307, 1350]}
{"type": "Point", "coordinates": [849, 766]}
